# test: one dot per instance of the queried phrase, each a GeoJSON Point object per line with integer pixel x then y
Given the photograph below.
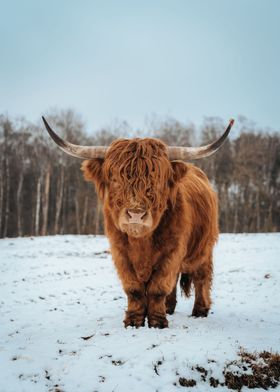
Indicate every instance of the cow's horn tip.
{"type": "Point", "coordinates": [231, 121]}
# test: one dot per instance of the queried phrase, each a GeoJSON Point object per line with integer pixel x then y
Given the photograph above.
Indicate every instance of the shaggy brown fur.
{"type": "Point", "coordinates": [136, 173]}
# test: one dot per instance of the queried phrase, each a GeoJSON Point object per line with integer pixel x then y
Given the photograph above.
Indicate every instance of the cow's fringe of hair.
{"type": "Point", "coordinates": [147, 159]}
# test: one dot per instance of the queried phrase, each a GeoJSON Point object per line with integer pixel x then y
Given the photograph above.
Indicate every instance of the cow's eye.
{"type": "Point", "coordinates": [149, 194]}
{"type": "Point", "coordinates": [113, 181]}
{"type": "Point", "coordinates": [119, 203]}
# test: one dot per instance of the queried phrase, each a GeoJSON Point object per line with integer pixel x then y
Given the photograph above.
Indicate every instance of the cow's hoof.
{"type": "Point", "coordinates": [134, 321]}
{"type": "Point", "coordinates": [200, 312]}
{"type": "Point", "coordinates": [158, 322]}
{"type": "Point", "coordinates": [170, 309]}
{"type": "Point", "coordinates": [170, 303]}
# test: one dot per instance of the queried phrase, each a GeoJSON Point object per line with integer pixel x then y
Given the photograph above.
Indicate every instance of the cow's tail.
{"type": "Point", "coordinates": [186, 284]}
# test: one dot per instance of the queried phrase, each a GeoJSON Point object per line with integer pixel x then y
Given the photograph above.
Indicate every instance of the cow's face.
{"type": "Point", "coordinates": [137, 183]}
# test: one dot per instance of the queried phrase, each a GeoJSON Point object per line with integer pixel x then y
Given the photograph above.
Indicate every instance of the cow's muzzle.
{"type": "Point", "coordinates": [135, 222]}
{"type": "Point", "coordinates": [136, 216]}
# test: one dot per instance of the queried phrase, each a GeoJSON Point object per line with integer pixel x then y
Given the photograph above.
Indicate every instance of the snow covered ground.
{"type": "Point", "coordinates": [62, 308]}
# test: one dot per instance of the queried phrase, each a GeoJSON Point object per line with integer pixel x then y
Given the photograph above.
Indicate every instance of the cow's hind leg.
{"type": "Point", "coordinates": [171, 300]}
{"type": "Point", "coordinates": [202, 279]}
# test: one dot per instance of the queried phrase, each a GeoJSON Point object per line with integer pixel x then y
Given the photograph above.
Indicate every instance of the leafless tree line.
{"type": "Point", "coordinates": [42, 191]}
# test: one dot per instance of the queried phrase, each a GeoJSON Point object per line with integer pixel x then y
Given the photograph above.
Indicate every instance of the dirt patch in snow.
{"type": "Point", "coordinates": [251, 370]}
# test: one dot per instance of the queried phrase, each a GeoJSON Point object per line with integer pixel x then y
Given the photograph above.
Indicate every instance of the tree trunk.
{"type": "Point", "coordinates": [77, 212]}
{"type": "Point", "coordinates": [64, 228]}
{"type": "Point", "coordinates": [7, 201]}
{"type": "Point", "coordinates": [85, 214]}
{"type": "Point", "coordinates": [269, 225]}
{"type": "Point", "coordinates": [235, 220]}
{"type": "Point", "coordinates": [258, 212]}
{"type": "Point", "coordinates": [46, 201]}
{"type": "Point", "coordinates": [38, 206]}
{"type": "Point", "coordinates": [19, 209]}
{"type": "Point", "coordinates": [227, 209]}
{"type": "Point", "coordinates": [59, 202]}
{"type": "Point", "coordinates": [97, 217]}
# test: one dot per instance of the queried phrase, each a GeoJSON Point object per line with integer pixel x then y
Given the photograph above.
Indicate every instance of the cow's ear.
{"type": "Point", "coordinates": [93, 171]}
{"type": "Point", "coordinates": [179, 170]}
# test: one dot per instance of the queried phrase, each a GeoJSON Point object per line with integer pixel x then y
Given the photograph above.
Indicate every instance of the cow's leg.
{"type": "Point", "coordinates": [202, 279]}
{"type": "Point", "coordinates": [136, 306]}
{"type": "Point", "coordinates": [171, 300]}
{"type": "Point", "coordinates": [158, 290]}
{"type": "Point", "coordinates": [136, 294]}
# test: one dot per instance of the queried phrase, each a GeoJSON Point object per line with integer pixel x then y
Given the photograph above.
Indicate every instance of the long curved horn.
{"type": "Point", "coordinates": [189, 153]}
{"type": "Point", "coordinates": [84, 152]}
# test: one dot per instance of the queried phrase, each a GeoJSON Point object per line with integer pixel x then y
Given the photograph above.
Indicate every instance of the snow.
{"type": "Point", "coordinates": [55, 291]}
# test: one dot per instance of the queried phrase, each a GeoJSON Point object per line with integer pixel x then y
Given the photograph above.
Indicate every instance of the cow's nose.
{"type": "Point", "coordinates": [136, 216]}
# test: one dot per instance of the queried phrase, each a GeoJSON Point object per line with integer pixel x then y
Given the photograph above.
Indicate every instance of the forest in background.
{"type": "Point", "coordinates": [42, 190]}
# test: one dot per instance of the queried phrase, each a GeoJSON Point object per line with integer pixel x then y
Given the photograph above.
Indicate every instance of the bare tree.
{"type": "Point", "coordinates": [38, 206]}
{"type": "Point", "coordinates": [59, 198]}
{"type": "Point", "coordinates": [7, 135]}
{"type": "Point", "coordinates": [46, 197]}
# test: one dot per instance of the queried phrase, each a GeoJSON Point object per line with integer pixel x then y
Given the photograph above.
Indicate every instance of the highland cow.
{"type": "Point", "coordinates": [161, 218]}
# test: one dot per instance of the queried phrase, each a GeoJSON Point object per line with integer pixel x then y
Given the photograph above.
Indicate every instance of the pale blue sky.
{"type": "Point", "coordinates": [132, 60]}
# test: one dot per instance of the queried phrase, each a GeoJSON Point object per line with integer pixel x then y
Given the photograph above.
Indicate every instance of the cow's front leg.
{"type": "Point", "coordinates": [160, 286]}
{"type": "Point", "coordinates": [134, 289]}
{"type": "Point", "coordinates": [136, 306]}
